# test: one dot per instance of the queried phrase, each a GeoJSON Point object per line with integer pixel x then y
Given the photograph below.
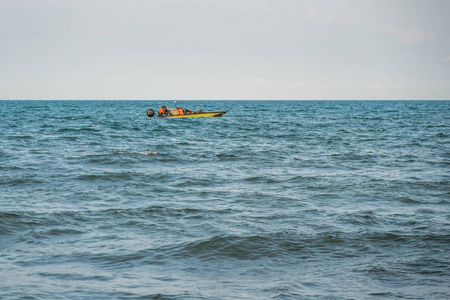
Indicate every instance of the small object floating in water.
{"type": "Point", "coordinates": [199, 114]}
{"type": "Point", "coordinates": [148, 153]}
{"type": "Point", "coordinates": [178, 112]}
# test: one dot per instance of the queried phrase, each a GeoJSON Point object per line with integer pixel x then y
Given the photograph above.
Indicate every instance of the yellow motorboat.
{"type": "Point", "coordinates": [188, 114]}
{"type": "Point", "coordinates": [203, 114]}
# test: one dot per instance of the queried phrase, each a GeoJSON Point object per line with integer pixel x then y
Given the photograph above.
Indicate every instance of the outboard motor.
{"type": "Point", "coordinates": [150, 113]}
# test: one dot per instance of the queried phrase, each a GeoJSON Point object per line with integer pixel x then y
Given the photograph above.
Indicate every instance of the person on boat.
{"type": "Point", "coordinates": [164, 110]}
{"type": "Point", "coordinates": [180, 111]}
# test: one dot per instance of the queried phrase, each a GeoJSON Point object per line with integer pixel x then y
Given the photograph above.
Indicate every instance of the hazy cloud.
{"type": "Point", "coordinates": [116, 79]}
{"type": "Point", "coordinates": [298, 8]}
{"type": "Point", "coordinates": [234, 49]}
{"type": "Point", "coordinates": [408, 35]}
{"type": "Point", "coordinates": [326, 16]}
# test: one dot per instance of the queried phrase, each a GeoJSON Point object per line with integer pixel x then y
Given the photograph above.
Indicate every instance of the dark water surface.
{"type": "Point", "coordinates": [275, 200]}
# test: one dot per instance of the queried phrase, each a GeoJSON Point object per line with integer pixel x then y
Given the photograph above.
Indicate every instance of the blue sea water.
{"type": "Point", "coordinates": [274, 200]}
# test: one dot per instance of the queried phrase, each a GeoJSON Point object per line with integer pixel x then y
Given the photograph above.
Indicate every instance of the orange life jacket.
{"type": "Point", "coordinates": [180, 111]}
{"type": "Point", "coordinates": [161, 111]}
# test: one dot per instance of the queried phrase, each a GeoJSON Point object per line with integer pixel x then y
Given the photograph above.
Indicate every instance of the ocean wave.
{"type": "Point", "coordinates": [333, 200]}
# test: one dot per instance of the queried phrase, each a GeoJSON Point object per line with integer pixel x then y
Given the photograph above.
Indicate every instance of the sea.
{"type": "Point", "coordinates": [274, 200]}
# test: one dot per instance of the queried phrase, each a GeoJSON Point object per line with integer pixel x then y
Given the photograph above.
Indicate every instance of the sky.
{"type": "Point", "coordinates": [225, 50]}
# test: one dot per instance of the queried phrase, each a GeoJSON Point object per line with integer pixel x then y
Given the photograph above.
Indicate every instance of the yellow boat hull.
{"type": "Point", "coordinates": [204, 114]}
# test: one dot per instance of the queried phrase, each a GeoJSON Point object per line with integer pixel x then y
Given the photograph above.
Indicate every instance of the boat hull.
{"type": "Point", "coordinates": [204, 114]}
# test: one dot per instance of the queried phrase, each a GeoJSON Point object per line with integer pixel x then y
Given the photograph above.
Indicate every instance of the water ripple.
{"type": "Point", "coordinates": [333, 200]}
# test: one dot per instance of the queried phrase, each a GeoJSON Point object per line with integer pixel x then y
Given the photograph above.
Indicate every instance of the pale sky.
{"type": "Point", "coordinates": [225, 49]}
